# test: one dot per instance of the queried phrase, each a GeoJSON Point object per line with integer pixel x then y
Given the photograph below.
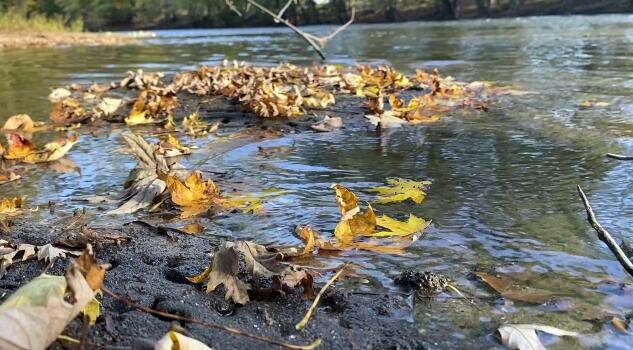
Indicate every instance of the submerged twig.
{"type": "Point", "coordinates": [605, 236]}
{"type": "Point", "coordinates": [308, 314]}
{"type": "Point", "coordinates": [619, 156]}
{"type": "Point", "coordinates": [316, 42]}
{"type": "Point", "coordinates": [231, 330]}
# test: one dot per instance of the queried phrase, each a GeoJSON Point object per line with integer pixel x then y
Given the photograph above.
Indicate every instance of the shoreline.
{"type": "Point", "coordinates": [20, 39]}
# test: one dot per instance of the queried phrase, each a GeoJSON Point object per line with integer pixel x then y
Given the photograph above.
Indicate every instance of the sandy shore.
{"type": "Point", "coordinates": [35, 39]}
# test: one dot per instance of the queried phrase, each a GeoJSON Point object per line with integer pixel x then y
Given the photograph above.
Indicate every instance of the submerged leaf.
{"type": "Point", "coordinates": [524, 337]}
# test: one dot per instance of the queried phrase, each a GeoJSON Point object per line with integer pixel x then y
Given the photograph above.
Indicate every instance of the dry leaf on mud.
{"type": "Point", "coordinates": [258, 262]}
{"type": "Point", "coordinates": [401, 190]}
{"type": "Point", "coordinates": [524, 337]}
{"type": "Point", "coordinates": [35, 315]}
{"type": "Point", "coordinates": [176, 341]}
{"type": "Point", "coordinates": [8, 252]}
{"type": "Point", "coordinates": [144, 184]}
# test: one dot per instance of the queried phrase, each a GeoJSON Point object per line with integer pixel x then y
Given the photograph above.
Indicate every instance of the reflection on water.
{"type": "Point", "coordinates": [502, 200]}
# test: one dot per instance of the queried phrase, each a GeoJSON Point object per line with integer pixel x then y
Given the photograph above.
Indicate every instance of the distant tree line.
{"type": "Point", "coordinates": [147, 14]}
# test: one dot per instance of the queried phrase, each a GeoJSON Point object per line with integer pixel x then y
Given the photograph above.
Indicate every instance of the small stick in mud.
{"type": "Point", "coordinates": [619, 156]}
{"type": "Point", "coordinates": [308, 314]}
{"type": "Point", "coordinates": [231, 330]}
{"type": "Point", "coordinates": [316, 42]}
{"type": "Point", "coordinates": [605, 236]}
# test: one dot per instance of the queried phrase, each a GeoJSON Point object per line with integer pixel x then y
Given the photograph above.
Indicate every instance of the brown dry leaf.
{"type": "Point", "coordinates": [68, 111]}
{"type": "Point", "coordinates": [508, 290]}
{"type": "Point", "coordinates": [19, 122]}
{"type": "Point", "coordinates": [259, 262]}
{"type": "Point", "coordinates": [194, 195]}
{"type": "Point", "coordinates": [35, 315]}
{"type": "Point", "coordinates": [328, 124]}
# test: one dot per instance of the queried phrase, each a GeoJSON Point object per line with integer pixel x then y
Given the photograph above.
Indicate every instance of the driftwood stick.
{"type": "Point", "coordinates": [316, 42]}
{"type": "Point", "coordinates": [604, 236]}
{"type": "Point", "coordinates": [619, 156]}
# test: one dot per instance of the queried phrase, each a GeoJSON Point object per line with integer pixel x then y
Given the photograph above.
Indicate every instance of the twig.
{"type": "Point", "coordinates": [604, 236]}
{"type": "Point", "coordinates": [231, 330]}
{"type": "Point", "coordinates": [619, 156]}
{"type": "Point", "coordinates": [306, 318]}
{"type": "Point", "coordinates": [316, 42]}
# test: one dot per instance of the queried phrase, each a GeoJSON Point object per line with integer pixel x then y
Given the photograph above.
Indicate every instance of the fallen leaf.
{"type": "Point", "coordinates": [619, 325]}
{"type": "Point", "coordinates": [19, 122]}
{"type": "Point", "coordinates": [109, 106]}
{"type": "Point", "coordinates": [193, 228]}
{"type": "Point", "coordinates": [524, 337]}
{"type": "Point", "coordinates": [508, 290]}
{"type": "Point", "coordinates": [194, 195]}
{"type": "Point", "coordinates": [18, 147]}
{"type": "Point", "coordinates": [59, 94]}
{"type": "Point", "coordinates": [68, 111]}
{"type": "Point", "coordinates": [11, 207]}
{"type": "Point", "coordinates": [35, 315]}
{"type": "Point", "coordinates": [259, 262]}
{"type": "Point", "coordinates": [48, 253]}
{"type": "Point", "coordinates": [401, 190]}
{"type": "Point", "coordinates": [176, 341]}
{"type": "Point", "coordinates": [53, 151]}
{"type": "Point", "coordinates": [398, 228]}
{"type": "Point", "coordinates": [144, 184]}
{"type": "Point", "coordinates": [328, 124]}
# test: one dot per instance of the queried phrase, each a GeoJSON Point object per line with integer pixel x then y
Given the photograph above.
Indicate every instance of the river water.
{"type": "Point", "coordinates": [503, 198]}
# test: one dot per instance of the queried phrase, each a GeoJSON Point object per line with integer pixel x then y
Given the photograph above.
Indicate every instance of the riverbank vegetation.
{"type": "Point", "coordinates": [100, 15]}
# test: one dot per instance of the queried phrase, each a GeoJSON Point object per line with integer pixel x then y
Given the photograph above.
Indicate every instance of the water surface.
{"type": "Point", "coordinates": [503, 197]}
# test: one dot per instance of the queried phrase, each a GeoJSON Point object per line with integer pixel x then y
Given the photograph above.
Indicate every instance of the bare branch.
{"type": "Point", "coordinates": [281, 12]}
{"type": "Point", "coordinates": [316, 42]}
{"type": "Point", "coordinates": [619, 156]}
{"type": "Point", "coordinates": [604, 236]}
{"type": "Point", "coordinates": [233, 8]}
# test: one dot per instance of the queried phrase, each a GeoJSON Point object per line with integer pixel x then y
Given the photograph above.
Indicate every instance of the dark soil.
{"type": "Point", "coordinates": [150, 269]}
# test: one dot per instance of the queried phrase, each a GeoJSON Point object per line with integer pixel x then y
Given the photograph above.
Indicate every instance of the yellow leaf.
{"type": "Point", "coordinates": [53, 151]}
{"type": "Point", "coordinates": [199, 278]}
{"type": "Point", "coordinates": [361, 224]}
{"type": "Point", "coordinates": [401, 190]}
{"type": "Point", "coordinates": [18, 147]}
{"type": "Point", "coordinates": [37, 292]}
{"type": "Point", "coordinates": [193, 228]}
{"type": "Point", "coordinates": [194, 196]}
{"type": "Point", "coordinates": [346, 200]}
{"type": "Point", "coordinates": [400, 228]}
{"type": "Point", "coordinates": [176, 341]}
{"type": "Point", "coordinates": [92, 310]}
{"type": "Point", "coordinates": [11, 206]}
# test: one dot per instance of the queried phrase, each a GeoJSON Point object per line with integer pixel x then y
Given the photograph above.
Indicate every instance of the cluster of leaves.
{"type": "Point", "coordinates": [359, 229]}
{"type": "Point", "coordinates": [10, 251]}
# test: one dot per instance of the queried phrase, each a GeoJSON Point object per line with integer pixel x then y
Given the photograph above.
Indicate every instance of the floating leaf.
{"type": "Point", "coordinates": [194, 195]}
{"type": "Point", "coordinates": [400, 228]}
{"type": "Point", "coordinates": [18, 147]}
{"type": "Point", "coordinates": [193, 228]}
{"type": "Point", "coordinates": [53, 151]}
{"type": "Point", "coordinates": [19, 122]}
{"type": "Point", "coordinates": [508, 290]}
{"type": "Point", "coordinates": [401, 190]}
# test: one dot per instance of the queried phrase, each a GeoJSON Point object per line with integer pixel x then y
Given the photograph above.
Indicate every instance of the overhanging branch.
{"type": "Point", "coordinates": [317, 43]}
